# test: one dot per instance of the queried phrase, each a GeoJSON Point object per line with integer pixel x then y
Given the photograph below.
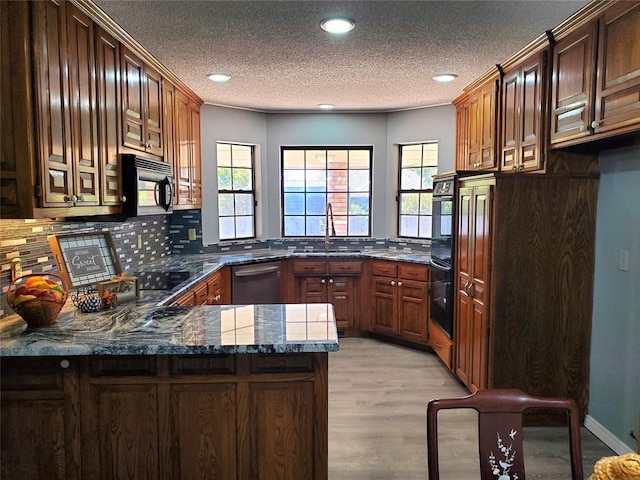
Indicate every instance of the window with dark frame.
{"type": "Point", "coordinates": [313, 178]}
{"type": "Point", "coordinates": [236, 191]}
{"type": "Point", "coordinates": [418, 163]}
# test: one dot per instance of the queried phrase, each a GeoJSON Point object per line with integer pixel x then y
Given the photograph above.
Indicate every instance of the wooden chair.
{"type": "Point", "coordinates": [500, 431]}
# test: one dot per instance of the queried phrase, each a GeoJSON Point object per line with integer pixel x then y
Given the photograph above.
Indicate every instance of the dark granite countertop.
{"type": "Point", "coordinates": [150, 327]}
{"type": "Point", "coordinates": [145, 329]}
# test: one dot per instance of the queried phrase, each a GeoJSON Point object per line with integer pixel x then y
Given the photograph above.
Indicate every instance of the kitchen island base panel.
{"type": "Point", "coordinates": [243, 416]}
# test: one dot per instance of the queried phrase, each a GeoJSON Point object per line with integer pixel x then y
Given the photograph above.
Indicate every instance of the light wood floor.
{"type": "Point", "coordinates": [378, 394]}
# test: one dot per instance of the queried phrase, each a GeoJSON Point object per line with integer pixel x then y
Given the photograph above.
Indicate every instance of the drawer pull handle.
{"type": "Point", "coordinates": [64, 363]}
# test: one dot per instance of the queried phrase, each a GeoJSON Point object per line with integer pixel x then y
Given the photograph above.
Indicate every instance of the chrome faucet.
{"type": "Point", "coordinates": [333, 227]}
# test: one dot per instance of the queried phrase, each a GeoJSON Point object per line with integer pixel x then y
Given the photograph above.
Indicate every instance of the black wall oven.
{"type": "Point", "coordinates": [442, 251]}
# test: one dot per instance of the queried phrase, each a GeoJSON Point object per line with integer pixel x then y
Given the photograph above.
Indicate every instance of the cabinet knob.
{"type": "Point", "coordinates": [331, 280]}
{"type": "Point", "coordinates": [595, 124]}
{"type": "Point", "coordinates": [123, 198]}
{"type": "Point", "coordinates": [81, 198]}
{"type": "Point", "coordinates": [399, 284]}
{"type": "Point", "coordinates": [515, 167]}
{"type": "Point", "coordinates": [322, 281]}
{"type": "Point", "coordinates": [64, 363]}
{"type": "Point", "coordinates": [393, 282]}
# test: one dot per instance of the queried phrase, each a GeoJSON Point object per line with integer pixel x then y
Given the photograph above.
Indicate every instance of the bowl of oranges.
{"type": "Point", "coordinates": [37, 298]}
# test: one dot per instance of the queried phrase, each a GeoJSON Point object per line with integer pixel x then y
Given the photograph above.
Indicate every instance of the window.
{"type": "Point", "coordinates": [236, 194]}
{"type": "Point", "coordinates": [313, 178]}
{"type": "Point", "coordinates": [418, 163]}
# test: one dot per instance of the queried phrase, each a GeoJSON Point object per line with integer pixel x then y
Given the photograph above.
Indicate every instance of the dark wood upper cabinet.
{"type": "Point", "coordinates": [477, 126]}
{"type": "Point", "coordinates": [108, 84]}
{"type": "Point", "coordinates": [483, 127]}
{"type": "Point", "coordinates": [462, 132]}
{"type": "Point", "coordinates": [84, 118]}
{"type": "Point", "coordinates": [141, 105]}
{"type": "Point", "coordinates": [617, 104]}
{"type": "Point", "coordinates": [572, 84]}
{"type": "Point", "coordinates": [596, 78]}
{"type": "Point", "coordinates": [52, 103]}
{"type": "Point", "coordinates": [523, 112]}
{"type": "Point", "coordinates": [187, 168]}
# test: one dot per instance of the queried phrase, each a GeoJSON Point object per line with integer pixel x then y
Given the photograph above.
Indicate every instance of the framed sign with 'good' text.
{"type": "Point", "coordinates": [85, 258]}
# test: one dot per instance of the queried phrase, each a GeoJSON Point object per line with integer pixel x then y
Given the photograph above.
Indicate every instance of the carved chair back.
{"type": "Point", "coordinates": [500, 431]}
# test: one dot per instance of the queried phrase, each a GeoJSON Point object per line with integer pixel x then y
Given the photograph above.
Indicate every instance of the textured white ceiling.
{"type": "Point", "coordinates": [280, 59]}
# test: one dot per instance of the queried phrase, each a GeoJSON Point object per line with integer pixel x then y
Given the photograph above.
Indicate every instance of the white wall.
{"type": "Point", "coordinates": [219, 124]}
{"type": "Point", "coordinates": [271, 131]}
{"type": "Point", "coordinates": [614, 393]}
{"type": "Point", "coordinates": [420, 125]}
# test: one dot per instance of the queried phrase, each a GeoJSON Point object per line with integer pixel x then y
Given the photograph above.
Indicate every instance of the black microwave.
{"type": "Point", "coordinates": [147, 186]}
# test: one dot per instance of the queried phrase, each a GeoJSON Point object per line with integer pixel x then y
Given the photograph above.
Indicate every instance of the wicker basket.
{"type": "Point", "coordinates": [37, 312]}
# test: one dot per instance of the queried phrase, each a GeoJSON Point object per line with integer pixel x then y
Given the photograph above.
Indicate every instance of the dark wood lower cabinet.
{"type": "Point", "coordinates": [40, 419]}
{"type": "Point", "coordinates": [165, 417]}
{"type": "Point", "coordinates": [400, 300]}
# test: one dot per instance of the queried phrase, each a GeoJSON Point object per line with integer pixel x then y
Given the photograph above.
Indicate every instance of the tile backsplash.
{"type": "Point", "coordinates": [27, 239]}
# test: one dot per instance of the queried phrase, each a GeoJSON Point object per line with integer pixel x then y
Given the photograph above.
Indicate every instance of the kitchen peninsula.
{"type": "Point", "coordinates": [146, 391]}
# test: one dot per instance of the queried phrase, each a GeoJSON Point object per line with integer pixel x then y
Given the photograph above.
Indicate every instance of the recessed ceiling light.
{"type": "Point", "coordinates": [337, 25]}
{"type": "Point", "coordinates": [219, 77]}
{"type": "Point", "coordinates": [445, 77]}
{"type": "Point", "coordinates": [325, 106]}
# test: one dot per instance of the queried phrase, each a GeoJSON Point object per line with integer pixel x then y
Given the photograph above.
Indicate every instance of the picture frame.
{"type": "Point", "coordinates": [125, 288]}
{"type": "Point", "coordinates": [85, 258]}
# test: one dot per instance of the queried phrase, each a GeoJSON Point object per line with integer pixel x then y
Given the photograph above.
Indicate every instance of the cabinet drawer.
{"type": "Point", "coordinates": [414, 272]}
{"type": "Point", "coordinates": [31, 373]}
{"type": "Point", "coordinates": [125, 366]}
{"type": "Point", "coordinates": [309, 267]}
{"type": "Point", "coordinates": [186, 299]}
{"type": "Point", "coordinates": [200, 293]}
{"type": "Point", "coordinates": [384, 269]}
{"type": "Point", "coordinates": [345, 268]}
{"type": "Point", "coordinates": [205, 365]}
{"type": "Point", "coordinates": [440, 343]}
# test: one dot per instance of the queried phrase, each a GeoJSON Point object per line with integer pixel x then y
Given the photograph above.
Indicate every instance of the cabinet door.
{"type": "Point", "coordinates": [281, 433]}
{"type": "Point", "coordinates": [532, 112]}
{"type": "Point", "coordinates": [464, 265]}
{"type": "Point", "coordinates": [54, 124]}
{"type": "Point", "coordinates": [152, 108]}
{"type": "Point", "coordinates": [168, 127]}
{"type": "Point", "coordinates": [202, 441]}
{"type": "Point", "coordinates": [39, 420]}
{"type": "Point", "coordinates": [385, 294]}
{"type": "Point", "coordinates": [574, 59]}
{"type": "Point", "coordinates": [123, 431]}
{"type": "Point", "coordinates": [340, 293]}
{"type": "Point", "coordinates": [474, 131]}
{"type": "Point", "coordinates": [82, 88]}
{"type": "Point", "coordinates": [182, 170]}
{"type": "Point", "coordinates": [617, 104]}
{"type": "Point", "coordinates": [109, 115]}
{"type": "Point", "coordinates": [482, 127]}
{"type": "Point", "coordinates": [478, 289]}
{"type": "Point", "coordinates": [194, 155]}
{"type": "Point", "coordinates": [522, 115]}
{"type": "Point", "coordinates": [510, 116]}
{"type": "Point", "coordinates": [132, 76]}
{"type": "Point", "coordinates": [413, 310]}
{"type": "Point", "coordinates": [462, 135]}
{"type": "Point", "coordinates": [313, 290]}
{"type": "Point", "coordinates": [489, 108]}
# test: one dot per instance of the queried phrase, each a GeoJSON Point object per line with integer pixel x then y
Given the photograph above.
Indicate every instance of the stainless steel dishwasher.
{"type": "Point", "coordinates": [258, 283]}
